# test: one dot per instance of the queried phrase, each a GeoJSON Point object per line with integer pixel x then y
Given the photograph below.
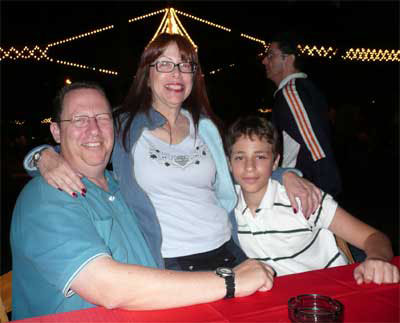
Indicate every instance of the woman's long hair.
{"type": "Point", "coordinates": [139, 98]}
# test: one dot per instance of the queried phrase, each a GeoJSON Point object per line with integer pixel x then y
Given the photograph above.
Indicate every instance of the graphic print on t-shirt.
{"type": "Point", "coordinates": [180, 161]}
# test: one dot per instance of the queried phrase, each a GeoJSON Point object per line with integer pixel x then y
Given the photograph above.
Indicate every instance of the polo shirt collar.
{"type": "Point", "coordinates": [113, 186]}
{"type": "Point", "coordinates": [269, 197]}
{"type": "Point", "coordinates": [267, 201]}
{"type": "Point", "coordinates": [241, 205]}
{"type": "Point", "coordinates": [288, 78]}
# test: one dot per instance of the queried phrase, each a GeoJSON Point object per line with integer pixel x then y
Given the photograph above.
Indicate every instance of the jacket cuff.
{"type": "Point", "coordinates": [28, 160]}
{"type": "Point", "coordinates": [279, 172]}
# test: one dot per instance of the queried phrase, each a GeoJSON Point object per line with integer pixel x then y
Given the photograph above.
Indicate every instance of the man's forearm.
{"type": "Point", "coordinates": [111, 284]}
{"type": "Point", "coordinates": [114, 285]}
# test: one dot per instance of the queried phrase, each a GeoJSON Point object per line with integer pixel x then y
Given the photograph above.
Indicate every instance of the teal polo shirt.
{"type": "Point", "coordinates": [53, 237]}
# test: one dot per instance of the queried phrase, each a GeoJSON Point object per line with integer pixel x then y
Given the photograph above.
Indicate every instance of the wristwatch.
{"type": "Point", "coordinates": [37, 155]}
{"type": "Point", "coordinates": [229, 276]}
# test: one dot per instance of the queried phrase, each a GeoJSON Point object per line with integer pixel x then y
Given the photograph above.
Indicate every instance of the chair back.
{"type": "Point", "coordinates": [344, 247]}
{"type": "Point", "coordinates": [5, 295]}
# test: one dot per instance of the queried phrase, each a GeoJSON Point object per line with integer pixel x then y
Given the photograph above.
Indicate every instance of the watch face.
{"type": "Point", "coordinates": [224, 271]}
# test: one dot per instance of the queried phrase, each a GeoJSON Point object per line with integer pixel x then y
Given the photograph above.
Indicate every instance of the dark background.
{"type": "Point", "coordinates": [363, 96]}
{"type": "Point", "coordinates": [341, 24]}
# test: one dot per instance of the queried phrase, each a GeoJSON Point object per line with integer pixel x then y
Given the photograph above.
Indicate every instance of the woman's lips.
{"type": "Point", "coordinates": [177, 87]}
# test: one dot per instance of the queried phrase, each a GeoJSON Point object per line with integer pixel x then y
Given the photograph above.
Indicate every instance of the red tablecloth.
{"type": "Point", "coordinates": [362, 303]}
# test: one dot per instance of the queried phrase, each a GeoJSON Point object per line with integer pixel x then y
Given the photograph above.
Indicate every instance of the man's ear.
{"type": "Point", "coordinates": [55, 131]}
{"type": "Point", "coordinates": [290, 59]}
{"type": "Point", "coordinates": [276, 162]}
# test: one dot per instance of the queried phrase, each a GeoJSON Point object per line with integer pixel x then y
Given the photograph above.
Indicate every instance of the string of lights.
{"type": "Point", "coordinates": [37, 53]}
{"type": "Point", "coordinates": [164, 19]}
{"type": "Point", "coordinates": [183, 28]}
{"type": "Point", "coordinates": [147, 15]}
{"type": "Point", "coordinates": [22, 122]}
{"type": "Point", "coordinates": [203, 21]}
{"type": "Point", "coordinates": [220, 69]}
{"type": "Point", "coordinates": [171, 24]}
{"type": "Point", "coordinates": [90, 33]}
{"type": "Point", "coordinates": [372, 55]}
{"type": "Point", "coordinates": [254, 39]}
{"type": "Point", "coordinates": [315, 51]}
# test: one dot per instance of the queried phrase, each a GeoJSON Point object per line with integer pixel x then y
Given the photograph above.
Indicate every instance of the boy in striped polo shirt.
{"type": "Point", "coordinates": [270, 230]}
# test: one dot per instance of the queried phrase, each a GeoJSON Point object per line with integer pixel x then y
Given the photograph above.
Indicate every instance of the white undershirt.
{"type": "Point", "coordinates": [179, 181]}
{"type": "Point", "coordinates": [291, 150]}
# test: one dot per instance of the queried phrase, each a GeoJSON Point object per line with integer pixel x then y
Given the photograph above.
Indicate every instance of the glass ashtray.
{"type": "Point", "coordinates": [310, 308]}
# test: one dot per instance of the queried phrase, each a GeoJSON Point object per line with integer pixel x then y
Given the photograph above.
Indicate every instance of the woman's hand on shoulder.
{"type": "Point", "coordinates": [309, 195]}
{"type": "Point", "coordinates": [59, 174]}
{"type": "Point", "coordinates": [377, 271]}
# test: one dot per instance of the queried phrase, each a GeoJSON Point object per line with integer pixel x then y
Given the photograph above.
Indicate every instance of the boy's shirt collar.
{"type": "Point", "coordinates": [267, 201]}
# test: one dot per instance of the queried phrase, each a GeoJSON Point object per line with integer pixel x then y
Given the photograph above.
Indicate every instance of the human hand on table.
{"type": "Point", "coordinates": [309, 195]}
{"type": "Point", "coordinates": [251, 276]}
{"type": "Point", "coordinates": [377, 271]}
{"type": "Point", "coordinates": [59, 174]}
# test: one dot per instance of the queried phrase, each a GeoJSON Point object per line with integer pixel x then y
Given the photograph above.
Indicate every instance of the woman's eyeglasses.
{"type": "Point", "coordinates": [168, 67]}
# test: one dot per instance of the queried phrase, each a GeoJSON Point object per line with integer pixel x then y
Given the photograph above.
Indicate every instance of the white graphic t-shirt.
{"type": "Point", "coordinates": [179, 181]}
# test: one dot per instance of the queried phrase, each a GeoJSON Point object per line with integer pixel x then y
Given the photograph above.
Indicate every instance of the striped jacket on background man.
{"type": "Point", "coordinates": [300, 114]}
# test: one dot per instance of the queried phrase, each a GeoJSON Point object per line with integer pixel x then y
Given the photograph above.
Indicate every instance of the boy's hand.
{"type": "Point", "coordinates": [309, 195]}
{"type": "Point", "coordinates": [251, 276]}
{"type": "Point", "coordinates": [377, 271]}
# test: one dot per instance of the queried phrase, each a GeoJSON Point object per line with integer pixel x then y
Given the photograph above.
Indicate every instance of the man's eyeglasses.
{"type": "Point", "coordinates": [168, 67]}
{"type": "Point", "coordinates": [271, 55]}
{"type": "Point", "coordinates": [103, 119]}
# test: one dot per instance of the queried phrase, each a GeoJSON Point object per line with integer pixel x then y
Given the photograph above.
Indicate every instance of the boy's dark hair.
{"type": "Point", "coordinates": [59, 99]}
{"type": "Point", "coordinates": [287, 43]}
{"type": "Point", "coordinates": [251, 126]}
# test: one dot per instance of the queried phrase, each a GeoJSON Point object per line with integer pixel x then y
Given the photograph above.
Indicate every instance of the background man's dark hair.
{"type": "Point", "coordinates": [287, 43]}
{"type": "Point", "coordinates": [59, 99]}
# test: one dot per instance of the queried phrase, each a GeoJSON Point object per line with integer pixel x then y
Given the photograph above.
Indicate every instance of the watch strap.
{"type": "Point", "coordinates": [230, 286]}
{"type": "Point", "coordinates": [229, 276]}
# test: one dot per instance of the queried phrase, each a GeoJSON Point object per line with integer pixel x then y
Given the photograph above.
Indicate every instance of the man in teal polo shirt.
{"type": "Point", "coordinates": [71, 254]}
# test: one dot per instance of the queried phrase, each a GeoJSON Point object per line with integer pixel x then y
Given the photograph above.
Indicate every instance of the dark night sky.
{"type": "Point", "coordinates": [363, 23]}
{"type": "Point", "coordinates": [341, 24]}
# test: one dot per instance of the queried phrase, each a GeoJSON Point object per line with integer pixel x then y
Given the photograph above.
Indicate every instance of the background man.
{"type": "Point", "coordinates": [70, 254]}
{"type": "Point", "coordinates": [300, 113]}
